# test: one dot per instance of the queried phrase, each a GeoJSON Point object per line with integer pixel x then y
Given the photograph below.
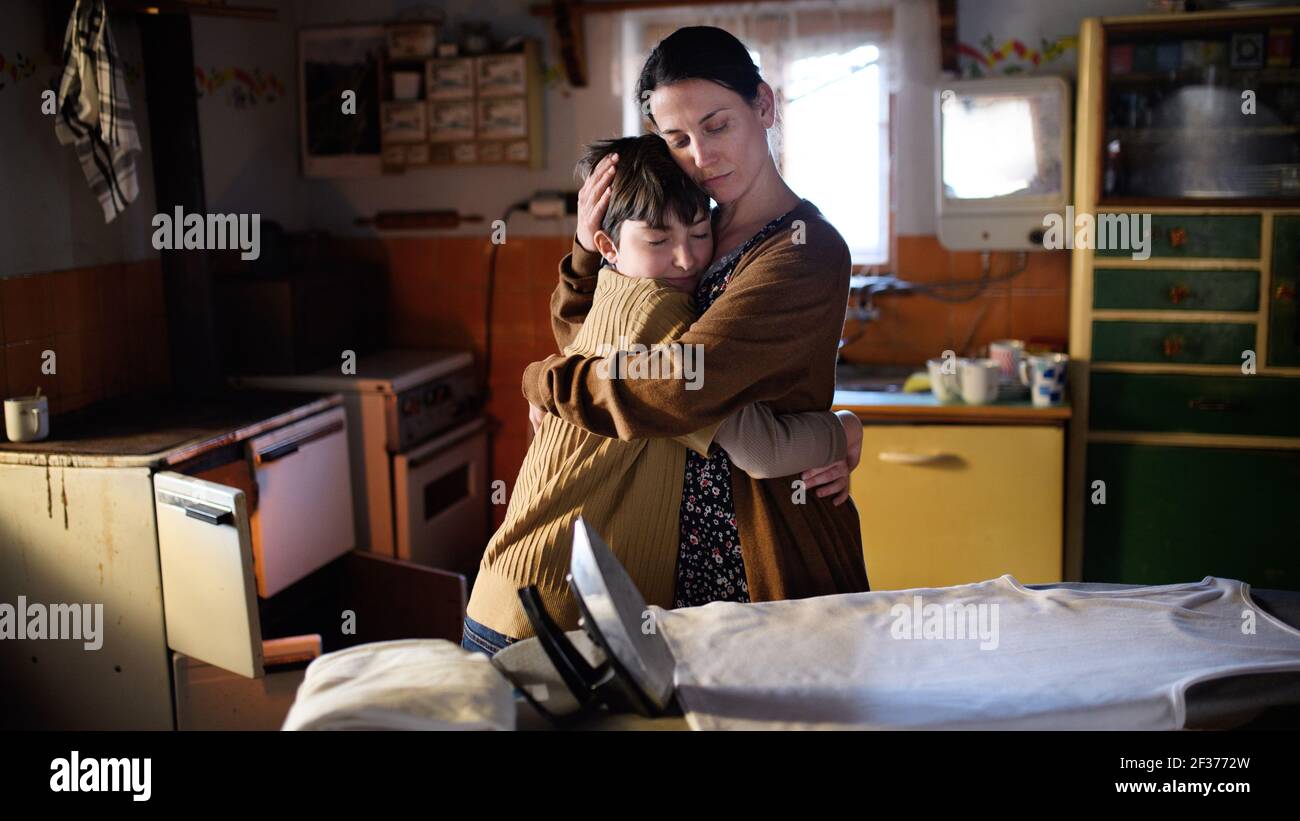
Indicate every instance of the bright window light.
{"type": "Point", "coordinates": [835, 145]}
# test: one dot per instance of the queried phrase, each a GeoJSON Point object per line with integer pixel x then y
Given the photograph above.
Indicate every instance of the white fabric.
{"type": "Point", "coordinates": [412, 684]}
{"type": "Point", "coordinates": [1056, 658]}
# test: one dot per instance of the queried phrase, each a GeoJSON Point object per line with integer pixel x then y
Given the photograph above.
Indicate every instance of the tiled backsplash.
{"type": "Point", "coordinates": [437, 296]}
{"type": "Point", "coordinates": [912, 328]}
{"type": "Point", "coordinates": [438, 292]}
{"type": "Point", "coordinates": [106, 326]}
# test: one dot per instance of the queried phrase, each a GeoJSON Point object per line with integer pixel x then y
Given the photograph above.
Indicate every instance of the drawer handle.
{"type": "Point", "coordinates": [895, 457]}
{"type": "Point", "coordinates": [1173, 345]}
{"type": "Point", "coordinates": [1178, 293]}
{"type": "Point", "coordinates": [208, 514]}
{"type": "Point", "coordinates": [1177, 237]}
{"type": "Point", "coordinates": [1217, 405]}
{"type": "Point", "coordinates": [291, 446]}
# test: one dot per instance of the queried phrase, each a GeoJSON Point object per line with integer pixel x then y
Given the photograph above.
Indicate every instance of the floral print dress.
{"type": "Point", "coordinates": [710, 566]}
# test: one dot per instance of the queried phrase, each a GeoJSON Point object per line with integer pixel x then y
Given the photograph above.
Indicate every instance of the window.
{"type": "Point", "coordinates": [827, 65]}
{"type": "Point", "coordinates": [835, 145]}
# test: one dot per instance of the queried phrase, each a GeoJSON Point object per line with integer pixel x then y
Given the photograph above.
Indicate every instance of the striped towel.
{"type": "Point", "coordinates": [94, 112]}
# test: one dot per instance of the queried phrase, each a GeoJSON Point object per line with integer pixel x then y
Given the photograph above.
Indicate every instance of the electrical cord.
{"type": "Point", "coordinates": [930, 289]}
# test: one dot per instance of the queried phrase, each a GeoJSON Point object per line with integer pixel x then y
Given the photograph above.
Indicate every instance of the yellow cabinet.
{"type": "Point", "coordinates": [953, 504]}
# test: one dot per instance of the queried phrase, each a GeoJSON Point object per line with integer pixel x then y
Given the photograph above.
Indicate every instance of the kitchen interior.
{"type": "Point", "coordinates": [337, 416]}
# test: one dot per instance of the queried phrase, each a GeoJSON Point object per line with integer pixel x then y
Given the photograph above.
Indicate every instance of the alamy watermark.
{"type": "Point", "coordinates": [77, 774]}
{"type": "Point", "coordinates": [657, 361]}
{"type": "Point", "coordinates": [1101, 232]}
{"type": "Point", "coordinates": [210, 232]}
{"type": "Point", "coordinates": [77, 622]}
{"type": "Point", "coordinates": [948, 621]}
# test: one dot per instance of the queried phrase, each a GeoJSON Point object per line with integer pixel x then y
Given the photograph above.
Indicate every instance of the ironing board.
{"type": "Point", "coordinates": [611, 644]}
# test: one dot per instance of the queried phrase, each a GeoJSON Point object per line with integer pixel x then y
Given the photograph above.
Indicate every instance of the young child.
{"type": "Point", "coordinates": [656, 239]}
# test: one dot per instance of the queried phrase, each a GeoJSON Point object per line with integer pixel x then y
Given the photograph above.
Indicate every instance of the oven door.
{"type": "Point", "coordinates": [440, 494]}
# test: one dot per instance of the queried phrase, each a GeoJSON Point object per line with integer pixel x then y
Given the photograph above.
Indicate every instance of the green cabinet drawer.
{"type": "Point", "coordinates": [1179, 403]}
{"type": "Point", "coordinates": [1195, 236]}
{"type": "Point", "coordinates": [1175, 290]}
{"type": "Point", "coordinates": [1283, 327]}
{"type": "Point", "coordinates": [1175, 514]}
{"type": "Point", "coordinates": [1200, 343]}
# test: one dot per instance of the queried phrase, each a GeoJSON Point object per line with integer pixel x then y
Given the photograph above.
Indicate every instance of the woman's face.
{"type": "Point", "coordinates": [716, 137]}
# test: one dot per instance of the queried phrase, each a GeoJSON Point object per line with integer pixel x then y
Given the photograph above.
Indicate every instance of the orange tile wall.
{"type": "Point", "coordinates": [1033, 306]}
{"type": "Point", "coordinates": [106, 325]}
{"type": "Point", "coordinates": [437, 295]}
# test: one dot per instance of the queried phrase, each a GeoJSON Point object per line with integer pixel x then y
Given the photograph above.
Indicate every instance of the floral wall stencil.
{"type": "Point", "coordinates": [19, 68]}
{"type": "Point", "coordinates": [1013, 56]}
{"type": "Point", "coordinates": [243, 88]}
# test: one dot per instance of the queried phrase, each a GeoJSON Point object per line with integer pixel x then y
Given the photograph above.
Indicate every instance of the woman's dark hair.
{"type": "Point", "coordinates": [647, 185]}
{"type": "Point", "coordinates": [699, 53]}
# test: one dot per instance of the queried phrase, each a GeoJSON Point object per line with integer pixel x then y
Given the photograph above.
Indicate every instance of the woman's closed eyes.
{"type": "Point", "coordinates": [680, 144]}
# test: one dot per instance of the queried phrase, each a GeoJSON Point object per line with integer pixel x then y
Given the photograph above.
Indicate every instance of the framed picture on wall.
{"type": "Point", "coordinates": [335, 140]}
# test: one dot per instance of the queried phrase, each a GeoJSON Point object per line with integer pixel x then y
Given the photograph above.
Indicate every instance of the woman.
{"type": "Point", "coordinates": [772, 309]}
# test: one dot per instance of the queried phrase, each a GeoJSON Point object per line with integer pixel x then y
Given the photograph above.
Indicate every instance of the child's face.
{"type": "Point", "coordinates": [676, 254]}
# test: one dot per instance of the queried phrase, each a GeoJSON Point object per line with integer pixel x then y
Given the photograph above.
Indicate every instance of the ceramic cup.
{"type": "Point", "coordinates": [1045, 375]}
{"type": "Point", "coordinates": [979, 381]}
{"type": "Point", "coordinates": [946, 387]}
{"type": "Point", "coordinates": [27, 418]}
{"type": "Point", "coordinates": [1008, 353]}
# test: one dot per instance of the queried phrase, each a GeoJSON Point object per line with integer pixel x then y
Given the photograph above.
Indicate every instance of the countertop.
{"type": "Point", "coordinates": [923, 407]}
{"type": "Point", "coordinates": [158, 431]}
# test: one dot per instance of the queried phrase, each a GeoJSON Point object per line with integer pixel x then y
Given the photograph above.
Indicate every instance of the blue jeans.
{"type": "Point", "coordinates": [481, 639]}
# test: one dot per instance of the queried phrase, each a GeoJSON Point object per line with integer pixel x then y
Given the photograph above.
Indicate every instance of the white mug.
{"type": "Point", "coordinates": [27, 418]}
{"type": "Point", "coordinates": [1045, 375]}
{"type": "Point", "coordinates": [979, 381]}
{"type": "Point", "coordinates": [946, 387]}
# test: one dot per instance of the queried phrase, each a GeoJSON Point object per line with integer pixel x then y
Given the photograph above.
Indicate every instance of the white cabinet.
{"type": "Point", "coordinates": [176, 561]}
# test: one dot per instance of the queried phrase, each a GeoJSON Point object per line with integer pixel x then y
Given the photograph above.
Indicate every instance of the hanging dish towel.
{"type": "Point", "coordinates": [94, 112]}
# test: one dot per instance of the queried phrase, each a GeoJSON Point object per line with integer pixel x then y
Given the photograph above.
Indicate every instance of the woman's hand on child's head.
{"type": "Point", "coordinates": [535, 417]}
{"type": "Point", "coordinates": [593, 199]}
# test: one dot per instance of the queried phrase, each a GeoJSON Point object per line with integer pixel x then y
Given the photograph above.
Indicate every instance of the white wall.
{"type": "Point", "coordinates": [49, 219]}
{"type": "Point", "coordinates": [250, 156]}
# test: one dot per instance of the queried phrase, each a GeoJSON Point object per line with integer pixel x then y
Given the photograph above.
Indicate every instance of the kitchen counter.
{"type": "Point", "coordinates": [923, 407]}
{"type": "Point", "coordinates": [160, 431]}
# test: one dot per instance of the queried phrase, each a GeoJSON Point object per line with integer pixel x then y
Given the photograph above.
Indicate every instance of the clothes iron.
{"type": "Point", "coordinates": [618, 660]}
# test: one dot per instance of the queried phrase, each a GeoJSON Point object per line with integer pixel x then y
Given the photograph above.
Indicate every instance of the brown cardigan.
{"type": "Point", "coordinates": [772, 337]}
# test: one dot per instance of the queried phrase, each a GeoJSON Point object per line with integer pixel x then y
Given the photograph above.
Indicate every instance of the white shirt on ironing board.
{"type": "Point", "coordinates": [991, 655]}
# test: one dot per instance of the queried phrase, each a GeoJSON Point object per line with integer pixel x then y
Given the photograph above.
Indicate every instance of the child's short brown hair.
{"type": "Point", "coordinates": [647, 184]}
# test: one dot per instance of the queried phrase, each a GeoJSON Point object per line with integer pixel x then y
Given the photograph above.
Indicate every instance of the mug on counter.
{"type": "Point", "coordinates": [1045, 375]}
{"type": "Point", "coordinates": [946, 387]}
{"type": "Point", "coordinates": [1008, 353]}
{"type": "Point", "coordinates": [979, 381]}
{"type": "Point", "coordinates": [27, 418]}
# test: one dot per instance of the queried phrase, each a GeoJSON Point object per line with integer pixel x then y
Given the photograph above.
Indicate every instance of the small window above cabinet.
{"type": "Point", "coordinates": [1201, 111]}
